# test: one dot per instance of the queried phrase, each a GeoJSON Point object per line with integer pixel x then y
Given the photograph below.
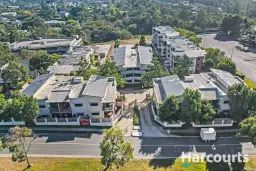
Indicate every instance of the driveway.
{"type": "Point", "coordinates": [149, 128]}
{"type": "Point", "coordinates": [245, 61]}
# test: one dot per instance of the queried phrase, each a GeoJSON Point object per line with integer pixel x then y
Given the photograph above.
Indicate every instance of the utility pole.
{"type": "Point", "coordinates": [232, 51]}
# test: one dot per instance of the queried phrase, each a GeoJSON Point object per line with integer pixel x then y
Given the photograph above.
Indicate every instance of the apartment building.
{"type": "Point", "coordinates": [170, 47]}
{"type": "Point", "coordinates": [71, 97]}
{"type": "Point", "coordinates": [213, 86]}
{"type": "Point", "coordinates": [132, 62]}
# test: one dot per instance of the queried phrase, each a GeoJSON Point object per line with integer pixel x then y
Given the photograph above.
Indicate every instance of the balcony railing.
{"type": "Point", "coordinates": [53, 110]}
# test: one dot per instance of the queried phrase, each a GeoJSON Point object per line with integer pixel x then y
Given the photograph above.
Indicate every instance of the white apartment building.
{"type": "Point", "coordinates": [213, 86]}
{"type": "Point", "coordinates": [170, 47]}
{"type": "Point", "coordinates": [132, 62]}
{"type": "Point", "coordinates": [70, 96]}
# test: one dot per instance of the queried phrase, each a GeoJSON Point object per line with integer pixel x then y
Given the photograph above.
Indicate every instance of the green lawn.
{"type": "Point", "coordinates": [250, 83]}
{"type": "Point", "coordinates": [69, 164]}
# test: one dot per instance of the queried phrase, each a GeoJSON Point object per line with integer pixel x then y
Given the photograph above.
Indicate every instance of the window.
{"type": "Point", "coordinates": [225, 102]}
{"type": "Point", "coordinates": [93, 104]}
{"type": "Point", "coordinates": [41, 106]}
{"type": "Point", "coordinates": [96, 113]}
{"type": "Point", "coordinates": [79, 105]}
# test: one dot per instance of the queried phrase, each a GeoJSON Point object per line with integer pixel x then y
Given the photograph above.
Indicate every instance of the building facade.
{"type": "Point", "coordinates": [213, 86]}
{"type": "Point", "coordinates": [132, 61]}
{"type": "Point", "coordinates": [171, 47]}
{"type": "Point", "coordinates": [70, 96]}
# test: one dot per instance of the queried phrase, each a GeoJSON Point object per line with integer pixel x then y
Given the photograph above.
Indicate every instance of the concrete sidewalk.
{"type": "Point", "coordinates": [58, 129]}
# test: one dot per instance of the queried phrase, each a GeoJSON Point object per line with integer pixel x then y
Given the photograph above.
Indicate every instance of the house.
{"type": "Point", "coordinates": [51, 45]}
{"type": "Point", "coordinates": [53, 23]}
{"type": "Point", "coordinates": [212, 86]}
{"type": "Point", "coordinates": [132, 62]}
{"type": "Point", "coordinates": [9, 14]}
{"type": "Point", "coordinates": [170, 47]}
{"type": "Point", "coordinates": [70, 97]}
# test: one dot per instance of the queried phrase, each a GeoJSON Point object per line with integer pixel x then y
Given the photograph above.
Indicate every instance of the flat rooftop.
{"type": "Point", "coordinates": [129, 57]}
{"type": "Point", "coordinates": [42, 44]}
{"type": "Point", "coordinates": [61, 69]}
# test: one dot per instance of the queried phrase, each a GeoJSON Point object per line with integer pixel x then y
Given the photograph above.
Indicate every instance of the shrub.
{"type": "Point", "coordinates": [136, 120]}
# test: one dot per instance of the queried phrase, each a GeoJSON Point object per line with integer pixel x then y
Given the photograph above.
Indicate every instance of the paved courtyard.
{"type": "Point", "coordinates": [245, 61]}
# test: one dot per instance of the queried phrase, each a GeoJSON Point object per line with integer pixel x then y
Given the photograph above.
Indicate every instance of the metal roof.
{"type": "Point", "coordinates": [96, 86]}
{"type": "Point", "coordinates": [36, 84]}
{"type": "Point", "coordinates": [172, 85]}
{"type": "Point", "coordinates": [145, 55]}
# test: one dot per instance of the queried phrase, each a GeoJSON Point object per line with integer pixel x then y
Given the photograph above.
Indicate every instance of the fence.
{"type": "Point", "coordinates": [165, 124]}
{"type": "Point", "coordinates": [57, 121]}
{"type": "Point", "coordinates": [224, 122]}
{"type": "Point", "coordinates": [11, 123]}
{"type": "Point", "coordinates": [106, 121]}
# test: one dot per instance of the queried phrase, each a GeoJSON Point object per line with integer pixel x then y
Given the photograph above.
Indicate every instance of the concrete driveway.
{"type": "Point", "coordinates": [245, 61]}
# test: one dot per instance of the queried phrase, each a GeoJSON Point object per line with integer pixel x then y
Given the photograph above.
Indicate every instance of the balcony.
{"type": "Point", "coordinates": [108, 107]}
{"type": "Point", "coordinates": [56, 110]}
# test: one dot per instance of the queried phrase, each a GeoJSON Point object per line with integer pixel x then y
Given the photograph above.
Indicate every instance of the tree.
{"type": "Point", "coordinates": [212, 58]}
{"type": "Point", "coordinates": [88, 72]}
{"type": "Point", "coordinates": [207, 111]}
{"type": "Point", "coordinates": [155, 70]}
{"type": "Point", "coordinates": [241, 101]}
{"type": "Point", "coordinates": [114, 150]}
{"type": "Point", "coordinates": [169, 110]}
{"type": "Point", "coordinates": [2, 102]}
{"type": "Point", "coordinates": [227, 64]}
{"type": "Point", "coordinates": [110, 70]}
{"type": "Point", "coordinates": [21, 108]}
{"type": "Point", "coordinates": [142, 41]}
{"type": "Point", "coordinates": [117, 43]}
{"type": "Point", "coordinates": [28, 54]}
{"type": "Point", "coordinates": [40, 63]}
{"type": "Point", "coordinates": [191, 106]}
{"type": "Point", "coordinates": [19, 142]}
{"type": "Point", "coordinates": [248, 128]}
{"type": "Point", "coordinates": [183, 67]}
{"type": "Point", "coordinates": [14, 73]}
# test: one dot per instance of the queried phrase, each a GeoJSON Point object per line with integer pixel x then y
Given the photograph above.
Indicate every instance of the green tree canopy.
{"type": "Point", "coordinates": [142, 41]}
{"type": "Point", "coordinates": [227, 64]}
{"type": "Point", "coordinates": [169, 110]}
{"type": "Point", "coordinates": [114, 150]}
{"type": "Point", "coordinates": [248, 128]}
{"type": "Point", "coordinates": [156, 70]}
{"type": "Point", "coordinates": [14, 73]}
{"type": "Point", "coordinates": [191, 106]}
{"type": "Point", "coordinates": [207, 111]}
{"type": "Point", "coordinates": [110, 70]}
{"type": "Point", "coordinates": [20, 108]}
{"type": "Point", "coordinates": [117, 43]}
{"type": "Point", "coordinates": [19, 143]}
{"type": "Point", "coordinates": [241, 101]}
{"type": "Point", "coordinates": [183, 67]}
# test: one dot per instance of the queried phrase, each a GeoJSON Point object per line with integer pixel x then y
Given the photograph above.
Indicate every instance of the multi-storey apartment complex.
{"type": "Point", "coordinates": [170, 47]}
{"type": "Point", "coordinates": [70, 96]}
{"type": "Point", "coordinates": [132, 62]}
{"type": "Point", "coordinates": [213, 86]}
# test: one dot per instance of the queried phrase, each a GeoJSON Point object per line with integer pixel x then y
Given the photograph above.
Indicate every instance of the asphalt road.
{"type": "Point", "coordinates": [88, 145]}
{"type": "Point", "coordinates": [245, 61]}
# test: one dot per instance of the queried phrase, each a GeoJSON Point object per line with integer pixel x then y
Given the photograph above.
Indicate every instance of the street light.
{"type": "Point", "coordinates": [232, 51]}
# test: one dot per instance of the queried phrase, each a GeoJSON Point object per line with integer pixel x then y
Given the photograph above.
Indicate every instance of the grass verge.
{"type": "Point", "coordinates": [250, 83]}
{"type": "Point", "coordinates": [70, 164]}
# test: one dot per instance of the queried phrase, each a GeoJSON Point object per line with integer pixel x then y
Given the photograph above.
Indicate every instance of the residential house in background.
{"type": "Point", "coordinates": [53, 23]}
{"type": "Point", "coordinates": [213, 86]}
{"type": "Point", "coordinates": [170, 47]}
{"type": "Point", "coordinates": [70, 97]}
{"type": "Point", "coordinates": [51, 45]}
{"type": "Point", "coordinates": [132, 62]}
